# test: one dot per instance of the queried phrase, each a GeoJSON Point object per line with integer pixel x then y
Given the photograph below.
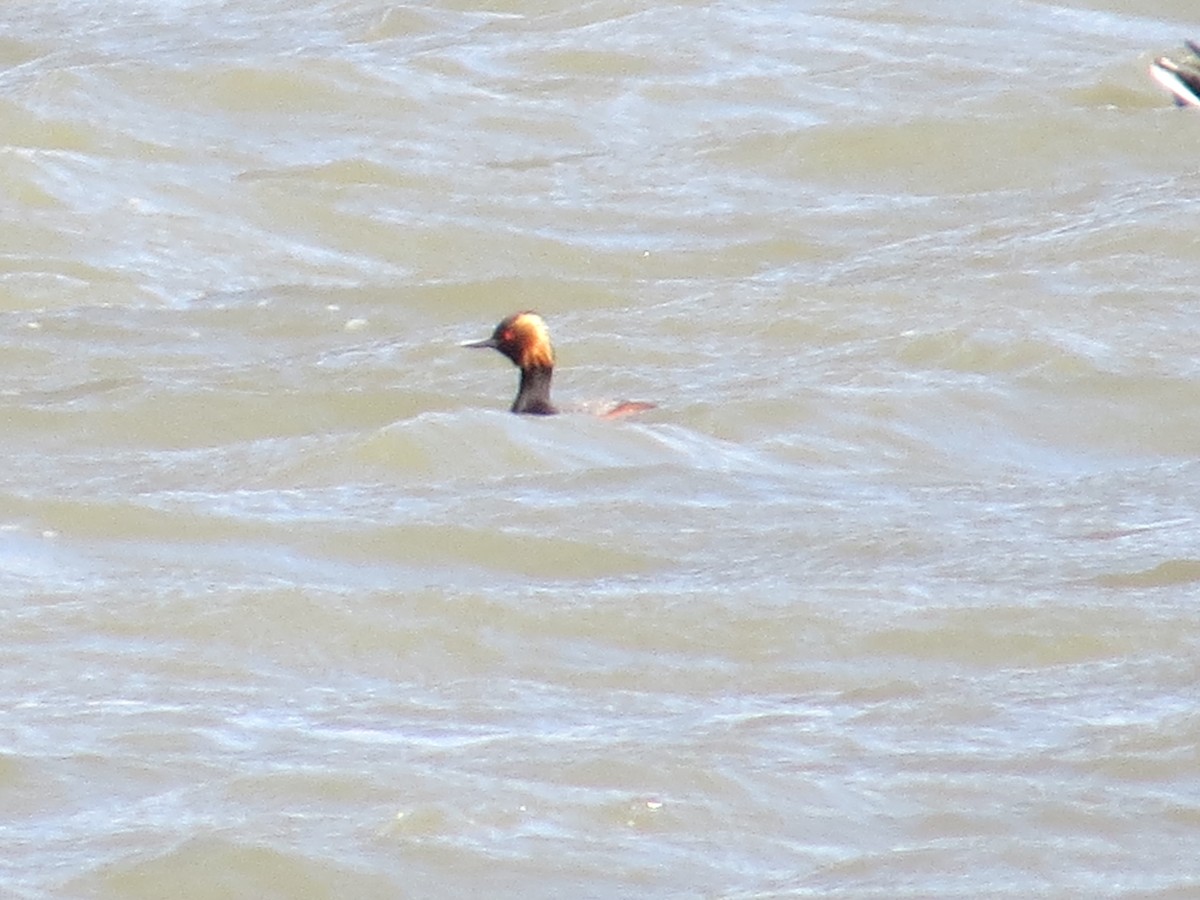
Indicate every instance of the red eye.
{"type": "Point", "coordinates": [507, 336]}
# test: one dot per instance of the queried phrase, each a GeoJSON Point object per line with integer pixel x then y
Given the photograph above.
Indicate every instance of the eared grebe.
{"type": "Point", "coordinates": [524, 338]}
{"type": "Point", "coordinates": [1181, 78]}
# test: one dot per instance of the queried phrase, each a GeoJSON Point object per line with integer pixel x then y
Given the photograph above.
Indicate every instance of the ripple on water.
{"type": "Point", "coordinates": [892, 595]}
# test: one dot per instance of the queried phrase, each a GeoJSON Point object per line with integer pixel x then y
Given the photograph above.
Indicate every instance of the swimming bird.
{"type": "Point", "coordinates": [524, 338]}
{"type": "Point", "coordinates": [1182, 78]}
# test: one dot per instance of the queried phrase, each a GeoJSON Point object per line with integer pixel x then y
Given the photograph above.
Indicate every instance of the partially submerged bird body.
{"type": "Point", "coordinates": [1181, 78]}
{"type": "Point", "coordinates": [524, 338]}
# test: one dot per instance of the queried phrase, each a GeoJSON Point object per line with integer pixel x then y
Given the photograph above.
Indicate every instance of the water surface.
{"type": "Point", "coordinates": [892, 596]}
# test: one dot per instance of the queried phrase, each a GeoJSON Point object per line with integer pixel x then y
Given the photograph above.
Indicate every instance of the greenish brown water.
{"type": "Point", "coordinates": [893, 595]}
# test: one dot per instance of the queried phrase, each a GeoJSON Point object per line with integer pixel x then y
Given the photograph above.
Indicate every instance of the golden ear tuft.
{"type": "Point", "coordinates": [534, 337]}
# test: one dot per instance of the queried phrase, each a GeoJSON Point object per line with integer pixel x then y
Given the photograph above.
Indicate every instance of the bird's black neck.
{"type": "Point", "coordinates": [533, 396]}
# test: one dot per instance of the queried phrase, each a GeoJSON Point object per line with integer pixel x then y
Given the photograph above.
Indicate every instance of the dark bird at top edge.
{"type": "Point", "coordinates": [1181, 77]}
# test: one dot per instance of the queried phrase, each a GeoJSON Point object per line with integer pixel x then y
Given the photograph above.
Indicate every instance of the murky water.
{"type": "Point", "coordinates": [893, 595]}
